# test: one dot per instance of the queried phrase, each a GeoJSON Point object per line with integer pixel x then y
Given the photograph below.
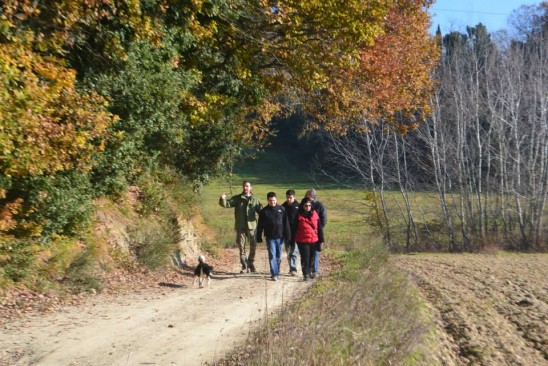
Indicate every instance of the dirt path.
{"type": "Point", "coordinates": [492, 308]}
{"type": "Point", "coordinates": [174, 324]}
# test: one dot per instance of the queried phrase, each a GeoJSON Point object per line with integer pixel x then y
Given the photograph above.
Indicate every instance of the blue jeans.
{"type": "Point", "coordinates": [274, 246]}
{"type": "Point", "coordinates": [292, 256]}
{"type": "Point", "coordinates": [316, 266]}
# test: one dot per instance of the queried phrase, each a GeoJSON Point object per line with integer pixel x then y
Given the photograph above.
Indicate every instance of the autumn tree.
{"type": "Point", "coordinates": [48, 125]}
{"type": "Point", "coordinates": [377, 103]}
{"type": "Point", "coordinates": [101, 91]}
{"type": "Point", "coordinates": [392, 76]}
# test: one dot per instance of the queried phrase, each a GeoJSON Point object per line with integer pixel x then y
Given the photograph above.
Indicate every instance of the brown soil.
{"type": "Point", "coordinates": [492, 309]}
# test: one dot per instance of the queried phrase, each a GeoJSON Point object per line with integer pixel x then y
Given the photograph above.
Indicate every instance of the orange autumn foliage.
{"type": "Point", "coordinates": [391, 78]}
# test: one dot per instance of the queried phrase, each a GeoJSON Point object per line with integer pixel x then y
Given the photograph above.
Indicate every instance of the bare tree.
{"type": "Point", "coordinates": [484, 149]}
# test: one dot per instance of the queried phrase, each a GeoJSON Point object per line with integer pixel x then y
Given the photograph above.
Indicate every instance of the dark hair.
{"type": "Point", "coordinates": [246, 181]}
{"type": "Point", "coordinates": [270, 194]}
{"type": "Point", "coordinates": [303, 201]}
{"type": "Point", "coordinates": [290, 192]}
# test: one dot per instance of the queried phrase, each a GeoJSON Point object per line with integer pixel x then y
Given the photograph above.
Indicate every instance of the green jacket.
{"type": "Point", "coordinates": [246, 210]}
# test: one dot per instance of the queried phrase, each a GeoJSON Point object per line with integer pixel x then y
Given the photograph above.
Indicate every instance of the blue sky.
{"type": "Point", "coordinates": [457, 14]}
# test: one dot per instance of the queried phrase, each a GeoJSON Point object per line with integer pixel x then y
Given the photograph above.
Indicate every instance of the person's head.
{"type": "Point", "coordinates": [271, 198]}
{"type": "Point", "coordinates": [306, 205]}
{"type": "Point", "coordinates": [290, 196]}
{"type": "Point", "coordinates": [246, 185]}
{"type": "Point", "coordinates": [311, 194]}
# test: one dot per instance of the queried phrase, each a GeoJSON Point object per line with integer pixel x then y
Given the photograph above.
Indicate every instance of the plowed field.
{"type": "Point", "coordinates": [492, 309]}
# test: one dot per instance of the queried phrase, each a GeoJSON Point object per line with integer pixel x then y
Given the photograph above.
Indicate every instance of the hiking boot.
{"type": "Point", "coordinates": [274, 278]}
{"type": "Point", "coordinates": [252, 268]}
{"type": "Point", "coordinates": [293, 273]}
{"type": "Point", "coordinates": [244, 269]}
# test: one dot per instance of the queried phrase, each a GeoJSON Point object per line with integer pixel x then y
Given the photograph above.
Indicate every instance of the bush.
{"type": "Point", "coordinates": [84, 270]}
{"type": "Point", "coordinates": [63, 203]}
{"type": "Point", "coordinates": [16, 260]}
{"type": "Point", "coordinates": [146, 95]}
{"type": "Point", "coordinates": [116, 167]}
{"type": "Point", "coordinates": [59, 204]}
{"type": "Point", "coordinates": [164, 196]}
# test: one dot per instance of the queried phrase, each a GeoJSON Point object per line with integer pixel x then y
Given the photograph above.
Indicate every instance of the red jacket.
{"type": "Point", "coordinates": [307, 229]}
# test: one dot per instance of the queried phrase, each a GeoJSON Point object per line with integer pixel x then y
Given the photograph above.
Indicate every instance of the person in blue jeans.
{"type": "Point", "coordinates": [291, 207]}
{"type": "Point", "coordinates": [274, 224]}
{"type": "Point", "coordinates": [317, 206]}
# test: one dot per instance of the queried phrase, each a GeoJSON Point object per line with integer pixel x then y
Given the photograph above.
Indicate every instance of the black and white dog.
{"type": "Point", "coordinates": [202, 273]}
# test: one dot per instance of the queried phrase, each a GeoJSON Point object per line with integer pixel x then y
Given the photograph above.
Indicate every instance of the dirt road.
{"type": "Point", "coordinates": [493, 309]}
{"type": "Point", "coordinates": [173, 324]}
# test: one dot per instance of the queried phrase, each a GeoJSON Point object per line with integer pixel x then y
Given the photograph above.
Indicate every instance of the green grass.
{"type": "Point", "coordinates": [351, 219]}
{"type": "Point", "coordinates": [346, 208]}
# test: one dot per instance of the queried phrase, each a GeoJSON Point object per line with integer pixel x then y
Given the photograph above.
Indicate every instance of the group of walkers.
{"type": "Point", "coordinates": [297, 227]}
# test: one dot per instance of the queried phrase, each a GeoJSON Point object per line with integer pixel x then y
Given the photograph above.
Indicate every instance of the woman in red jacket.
{"type": "Point", "coordinates": [308, 234]}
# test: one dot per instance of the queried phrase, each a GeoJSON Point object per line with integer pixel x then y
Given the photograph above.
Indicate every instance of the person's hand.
{"type": "Point", "coordinates": [223, 196]}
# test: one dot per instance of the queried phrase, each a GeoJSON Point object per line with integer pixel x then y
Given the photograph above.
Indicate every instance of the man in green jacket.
{"type": "Point", "coordinates": [246, 208]}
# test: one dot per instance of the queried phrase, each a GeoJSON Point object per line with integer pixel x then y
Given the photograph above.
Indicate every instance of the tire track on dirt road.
{"type": "Point", "coordinates": [174, 325]}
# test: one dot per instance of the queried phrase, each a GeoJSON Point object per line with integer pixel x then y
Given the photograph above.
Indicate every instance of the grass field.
{"type": "Point", "coordinates": [346, 226]}
{"type": "Point", "coordinates": [346, 208]}
{"type": "Point", "coordinates": [364, 313]}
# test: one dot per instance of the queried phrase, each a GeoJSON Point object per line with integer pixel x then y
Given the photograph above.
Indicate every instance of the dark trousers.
{"type": "Point", "coordinates": [307, 257]}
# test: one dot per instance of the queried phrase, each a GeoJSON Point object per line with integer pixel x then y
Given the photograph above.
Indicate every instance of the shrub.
{"type": "Point", "coordinates": [16, 260]}
{"type": "Point", "coordinates": [63, 203]}
{"type": "Point", "coordinates": [165, 195]}
{"type": "Point", "coordinates": [146, 95]}
{"type": "Point", "coordinates": [116, 167]}
{"type": "Point", "coordinates": [59, 204]}
{"type": "Point", "coordinates": [84, 270]}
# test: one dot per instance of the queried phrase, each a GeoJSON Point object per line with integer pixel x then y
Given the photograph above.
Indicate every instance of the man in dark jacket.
{"type": "Point", "coordinates": [291, 207]}
{"type": "Point", "coordinates": [320, 209]}
{"type": "Point", "coordinates": [273, 222]}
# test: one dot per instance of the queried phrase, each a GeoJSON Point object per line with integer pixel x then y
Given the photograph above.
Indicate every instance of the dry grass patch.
{"type": "Point", "coordinates": [367, 313]}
